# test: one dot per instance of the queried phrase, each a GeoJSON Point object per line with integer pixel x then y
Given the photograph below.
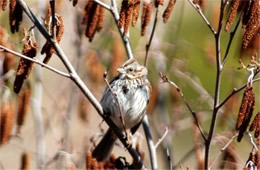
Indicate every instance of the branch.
{"type": "Point", "coordinates": [5, 49]}
{"type": "Point", "coordinates": [78, 81]}
{"type": "Point", "coordinates": [232, 34]}
{"type": "Point", "coordinates": [198, 9]}
{"type": "Point", "coordinates": [166, 80]}
{"type": "Point", "coordinates": [252, 140]}
{"type": "Point", "coordinates": [149, 140]}
{"type": "Point", "coordinates": [162, 138]}
{"type": "Point", "coordinates": [147, 47]}
{"type": "Point", "coordinates": [223, 149]}
{"type": "Point", "coordinates": [236, 91]}
{"type": "Point", "coordinates": [217, 86]}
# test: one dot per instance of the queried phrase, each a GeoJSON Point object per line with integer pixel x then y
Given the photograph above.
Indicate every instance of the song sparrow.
{"type": "Point", "coordinates": [133, 92]}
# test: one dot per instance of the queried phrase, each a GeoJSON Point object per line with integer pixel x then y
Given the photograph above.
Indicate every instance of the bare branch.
{"type": "Point", "coordinates": [252, 140]}
{"type": "Point", "coordinates": [198, 9]}
{"type": "Point", "coordinates": [223, 149]}
{"type": "Point", "coordinates": [4, 49]}
{"type": "Point", "coordinates": [150, 144]}
{"type": "Point", "coordinates": [166, 80]}
{"type": "Point", "coordinates": [162, 138]}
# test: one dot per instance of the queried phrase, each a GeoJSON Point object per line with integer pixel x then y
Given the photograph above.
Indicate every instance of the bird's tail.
{"type": "Point", "coordinates": [104, 148]}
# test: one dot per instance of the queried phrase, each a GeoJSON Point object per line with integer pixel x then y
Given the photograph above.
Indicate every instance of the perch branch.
{"type": "Point", "coordinates": [150, 144]}
{"type": "Point", "coordinates": [78, 81]}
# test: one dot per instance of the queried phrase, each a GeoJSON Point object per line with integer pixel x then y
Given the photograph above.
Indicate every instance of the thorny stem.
{"type": "Point", "coordinates": [77, 80]}
{"type": "Point", "coordinates": [217, 87]}
{"type": "Point", "coordinates": [5, 49]}
{"type": "Point", "coordinates": [165, 79]}
{"type": "Point", "coordinates": [223, 149]}
{"type": "Point", "coordinates": [147, 47]}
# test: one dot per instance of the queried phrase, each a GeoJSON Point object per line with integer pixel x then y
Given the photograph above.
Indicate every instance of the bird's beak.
{"type": "Point", "coordinates": [121, 70]}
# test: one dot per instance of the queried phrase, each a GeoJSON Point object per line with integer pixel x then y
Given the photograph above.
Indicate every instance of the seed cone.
{"type": "Point", "coordinates": [25, 66]}
{"type": "Point", "coordinates": [6, 121]}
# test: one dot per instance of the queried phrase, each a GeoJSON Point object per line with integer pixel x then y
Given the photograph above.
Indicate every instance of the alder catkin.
{"type": "Point", "coordinates": [136, 12]}
{"type": "Point", "coordinates": [15, 15]}
{"type": "Point", "coordinates": [25, 161]}
{"type": "Point", "coordinates": [168, 10]}
{"type": "Point", "coordinates": [6, 120]}
{"type": "Point", "coordinates": [232, 14]}
{"type": "Point", "coordinates": [253, 24]}
{"type": "Point", "coordinates": [23, 106]}
{"type": "Point", "coordinates": [128, 15]}
{"type": "Point", "coordinates": [122, 14]}
{"type": "Point", "coordinates": [146, 15]}
{"type": "Point", "coordinates": [245, 111]}
{"type": "Point", "coordinates": [25, 66]}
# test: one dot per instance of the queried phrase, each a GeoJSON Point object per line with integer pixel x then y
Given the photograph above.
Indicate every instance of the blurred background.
{"type": "Point", "coordinates": [183, 48]}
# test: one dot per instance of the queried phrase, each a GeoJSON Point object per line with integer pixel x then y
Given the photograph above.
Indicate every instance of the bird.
{"type": "Point", "coordinates": [133, 90]}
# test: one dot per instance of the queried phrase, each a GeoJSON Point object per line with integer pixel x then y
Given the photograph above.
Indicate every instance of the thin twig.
{"type": "Point", "coordinates": [122, 117]}
{"type": "Point", "coordinates": [162, 138]}
{"type": "Point", "coordinates": [81, 85]}
{"type": "Point", "coordinates": [252, 140]}
{"type": "Point", "coordinates": [166, 80]}
{"type": "Point", "coordinates": [223, 149]}
{"type": "Point", "coordinates": [5, 49]}
{"type": "Point", "coordinates": [147, 47]}
{"type": "Point", "coordinates": [198, 9]}
{"type": "Point", "coordinates": [231, 36]}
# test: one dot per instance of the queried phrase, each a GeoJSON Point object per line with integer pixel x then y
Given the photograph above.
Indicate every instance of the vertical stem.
{"type": "Point", "coordinates": [150, 144]}
{"type": "Point", "coordinates": [217, 87]}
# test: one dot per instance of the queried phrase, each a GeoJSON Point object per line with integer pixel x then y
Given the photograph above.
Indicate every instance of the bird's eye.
{"type": "Point", "coordinates": [130, 69]}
